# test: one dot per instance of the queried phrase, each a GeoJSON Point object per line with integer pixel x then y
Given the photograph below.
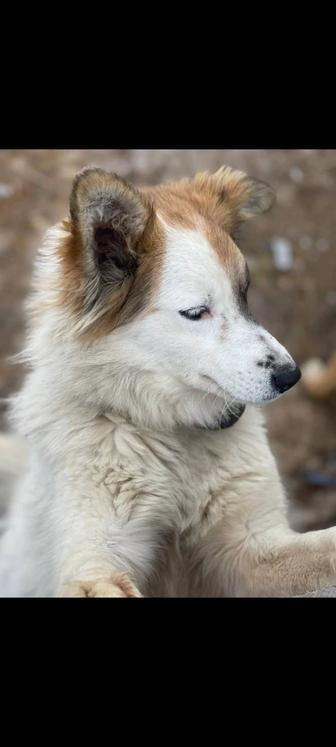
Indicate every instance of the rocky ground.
{"type": "Point", "coordinates": [297, 303]}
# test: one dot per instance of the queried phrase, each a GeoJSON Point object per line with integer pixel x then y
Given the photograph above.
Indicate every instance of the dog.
{"type": "Point", "coordinates": [149, 472]}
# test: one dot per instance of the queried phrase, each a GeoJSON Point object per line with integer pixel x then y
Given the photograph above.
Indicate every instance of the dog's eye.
{"type": "Point", "coordinates": [194, 314]}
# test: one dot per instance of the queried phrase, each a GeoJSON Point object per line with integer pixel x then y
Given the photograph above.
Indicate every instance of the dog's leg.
{"type": "Point", "coordinates": [271, 564]}
{"type": "Point", "coordinates": [85, 554]}
{"type": "Point", "coordinates": [103, 559]}
{"type": "Point", "coordinates": [86, 573]}
{"type": "Point", "coordinates": [97, 554]}
{"type": "Point", "coordinates": [253, 552]}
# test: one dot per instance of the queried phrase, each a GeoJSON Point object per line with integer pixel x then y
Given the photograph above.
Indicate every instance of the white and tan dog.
{"type": "Point", "coordinates": [149, 472]}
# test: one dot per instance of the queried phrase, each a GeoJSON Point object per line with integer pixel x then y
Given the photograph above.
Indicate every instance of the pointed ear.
{"type": "Point", "coordinates": [108, 218]}
{"type": "Point", "coordinates": [239, 196]}
{"type": "Point", "coordinates": [247, 196]}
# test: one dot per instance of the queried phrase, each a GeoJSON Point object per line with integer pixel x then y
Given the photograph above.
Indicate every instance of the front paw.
{"type": "Point", "coordinates": [116, 585]}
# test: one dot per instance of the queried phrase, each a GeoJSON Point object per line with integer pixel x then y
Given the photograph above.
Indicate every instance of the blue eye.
{"type": "Point", "coordinates": [195, 314]}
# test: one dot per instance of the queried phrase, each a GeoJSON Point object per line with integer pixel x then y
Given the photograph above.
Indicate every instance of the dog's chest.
{"type": "Point", "coordinates": [175, 479]}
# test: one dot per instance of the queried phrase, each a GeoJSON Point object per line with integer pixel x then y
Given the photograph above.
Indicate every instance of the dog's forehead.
{"type": "Point", "coordinates": [200, 246]}
{"type": "Point", "coordinates": [193, 228]}
{"type": "Point", "coordinates": [194, 268]}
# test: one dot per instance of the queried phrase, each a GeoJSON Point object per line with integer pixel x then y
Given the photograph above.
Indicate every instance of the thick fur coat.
{"type": "Point", "coordinates": [147, 465]}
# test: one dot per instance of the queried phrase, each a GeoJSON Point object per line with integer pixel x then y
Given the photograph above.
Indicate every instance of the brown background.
{"type": "Point", "coordinates": [297, 306]}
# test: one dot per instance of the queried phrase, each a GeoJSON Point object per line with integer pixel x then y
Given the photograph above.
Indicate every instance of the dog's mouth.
{"type": "Point", "coordinates": [231, 414]}
{"type": "Point", "coordinates": [229, 418]}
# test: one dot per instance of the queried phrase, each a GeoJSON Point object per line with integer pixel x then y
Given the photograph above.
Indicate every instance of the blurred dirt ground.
{"type": "Point", "coordinates": [298, 306]}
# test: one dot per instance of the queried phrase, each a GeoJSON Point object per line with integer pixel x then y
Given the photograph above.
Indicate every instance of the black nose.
{"type": "Point", "coordinates": [285, 378]}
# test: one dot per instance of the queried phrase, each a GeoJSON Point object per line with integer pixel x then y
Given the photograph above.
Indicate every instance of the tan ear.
{"type": "Point", "coordinates": [108, 217]}
{"type": "Point", "coordinates": [237, 196]}
{"type": "Point", "coordinates": [247, 196]}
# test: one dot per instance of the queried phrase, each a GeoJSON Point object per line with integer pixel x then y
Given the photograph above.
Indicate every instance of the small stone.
{"type": "Point", "coordinates": [6, 190]}
{"type": "Point", "coordinates": [282, 254]}
{"type": "Point", "coordinates": [296, 174]}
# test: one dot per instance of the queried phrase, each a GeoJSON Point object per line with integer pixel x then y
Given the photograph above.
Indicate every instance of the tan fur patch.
{"type": "Point", "coordinates": [183, 206]}
{"type": "Point", "coordinates": [210, 203]}
{"type": "Point", "coordinates": [197, 205]}
{"type": "Point", "coordinates": [129, 301]}
{"type": "Point", "coordinates": [71, 269]}
{"type": "Point", "coordinates": [224, 198]}
{"type": "Point", "coordinates": [121, 305]}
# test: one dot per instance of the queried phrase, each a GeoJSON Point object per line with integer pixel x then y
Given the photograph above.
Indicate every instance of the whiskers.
{"type": "Point", "coordinates": [228, 405]}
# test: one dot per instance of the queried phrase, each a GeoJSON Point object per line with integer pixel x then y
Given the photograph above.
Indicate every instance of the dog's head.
{"type": "Point", "coordinates": [151, 288]}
